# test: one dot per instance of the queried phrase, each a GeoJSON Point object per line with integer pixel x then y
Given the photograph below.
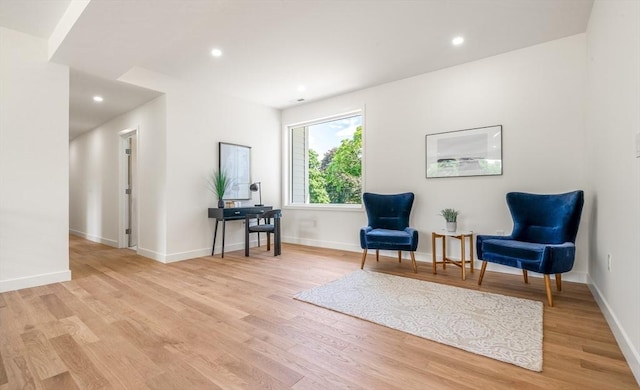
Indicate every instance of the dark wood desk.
{"type": "Point", "coordinates": [232, 214]}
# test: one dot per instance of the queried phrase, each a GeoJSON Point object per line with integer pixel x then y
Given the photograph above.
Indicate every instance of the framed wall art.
{"type": "Point", "coordinates": [235, 161]}
{"type": "Point", "coordinates": [469, 152]}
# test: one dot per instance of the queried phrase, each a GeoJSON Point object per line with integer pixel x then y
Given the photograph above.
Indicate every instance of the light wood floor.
{"type": "Point", "coordinates": [128, 322]}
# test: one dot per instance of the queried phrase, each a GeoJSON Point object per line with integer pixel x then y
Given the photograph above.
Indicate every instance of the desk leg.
{"type": "Point", "coordinates": [462, 258]}
{"type": "Point", "coordinates": [224, 224]}
{"type": "Point", "coordinates": [433, 252]}
{"type": "Point", "coordinates": [215, 234]}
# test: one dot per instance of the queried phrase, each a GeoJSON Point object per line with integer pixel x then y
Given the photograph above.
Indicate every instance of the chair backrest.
{"type": "Point", "coordinates": [545, 219]}
{"type": "Point", "coordinates": [388, 211]}
{"type": "Point", "coordinates": [277, 213]}
{"type": "Point", "coordinates": [253, 220]}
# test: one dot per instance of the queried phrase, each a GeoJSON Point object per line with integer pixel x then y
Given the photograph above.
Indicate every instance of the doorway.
{"type": "Point", "coordinates": [129, 193]}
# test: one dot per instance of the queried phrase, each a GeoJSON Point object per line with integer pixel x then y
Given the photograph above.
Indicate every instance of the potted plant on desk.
{"type": "Point", "coordinates": [451, 216]}
{"type": "Point", "coordinates": [219, 182]}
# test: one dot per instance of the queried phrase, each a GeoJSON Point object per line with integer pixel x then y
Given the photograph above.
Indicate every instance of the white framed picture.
{"type": "Point", "coordinates": [469, 152]}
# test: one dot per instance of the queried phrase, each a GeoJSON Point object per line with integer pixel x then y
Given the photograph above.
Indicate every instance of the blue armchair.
{"type": "Point", "coordinates": [388, 227]}
{"type": "Point", "coordinates": [543, 237]}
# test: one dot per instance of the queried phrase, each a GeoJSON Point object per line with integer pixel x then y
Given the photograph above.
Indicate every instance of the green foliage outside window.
{"type": "Point", "coordinates": [337, 178]}
{"type": "Point", "coordinates": [317, 181]}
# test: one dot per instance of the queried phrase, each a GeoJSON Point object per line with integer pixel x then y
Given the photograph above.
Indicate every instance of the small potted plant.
{"type": "Point", "coordinates": [219, 182]}
{"type": "Point", "coordinates": [451, 216]}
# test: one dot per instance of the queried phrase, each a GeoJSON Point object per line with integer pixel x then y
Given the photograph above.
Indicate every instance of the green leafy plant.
{"type": "Point", "coordinates": [450, 215]}
{"type": "Point", "coordinates": [219, 183]}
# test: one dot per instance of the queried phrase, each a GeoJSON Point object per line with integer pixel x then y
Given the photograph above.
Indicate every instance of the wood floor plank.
{"type": "Point", "coordinates": [78, 330]}
{"type": "Point", "coordinates": [119, 368]}
{"type": "Point", "coordinates": [181, 376]}
{"type": "Point", "coordinates": [127, 322]}
{"type": "Point", "coordinates": [3, 372]}
{"type": "Point", "coordinates": [42, 355]}
{"type": "Point", "coordinates": [14, 320]}
{"type": "Point", "coordinates": [217, 373]}
{"type": "Point", "coordinates": [56, 306]}
{"type": "Point", "coordinates": [255, 377]}
{"type": "Point", "coordinates": [61, 381]}
{"type": "Point", "coordinates": [81, 367]}
{"type": "Point", "coordinates": [311, 370]}
{"type": "Point", "coordinates": [26, 378]}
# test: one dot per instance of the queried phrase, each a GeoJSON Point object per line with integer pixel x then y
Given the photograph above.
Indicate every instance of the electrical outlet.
{"type": "Point", "coordinates": [609, 261]}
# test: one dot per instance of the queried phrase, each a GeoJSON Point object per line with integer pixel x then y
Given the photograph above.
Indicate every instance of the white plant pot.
{"type": "Point", "coordinates": [452, 226]}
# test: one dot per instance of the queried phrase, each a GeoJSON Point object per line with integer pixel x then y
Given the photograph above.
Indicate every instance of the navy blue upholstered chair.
{"type": "Point", "coordinates": [388, 227]}
{"type": "Point", "coordinates": [543, 237]}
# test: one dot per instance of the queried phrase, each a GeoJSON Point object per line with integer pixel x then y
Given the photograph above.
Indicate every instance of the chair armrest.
{"type": "Point", "coordinates": [413, 232]}
{"type": "Point", "coordinates": [414, 237]}
{"type": "Point", "coordinates": [363, 236]}
{"type": "Point", "coordinates": [481, 237]}
{"type": "Point", "coordinates": [558, 258]}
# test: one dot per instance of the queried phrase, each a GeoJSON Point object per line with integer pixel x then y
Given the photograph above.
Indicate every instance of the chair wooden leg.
{"type": "Point", "coordinates": [413, 263]}
{"type": "Point", "coordinates": [484, 267]}
{"type": "Point", "coordinates": [377, 254]}
{"type": "Point", "coordinates": [433, 252]}
{"type": "Point", "coordinates": [399, 256]}
{"type": "Point", "coordinates": [547, 285]}
{"type": "Point", "coordinates": [525, 275]}
{"type": "Point", "coordinates": [268, 241]}
{"type": "Point", "coordinates": [364, 257]}
{"type": "Point", "coordinates": [559, 282]}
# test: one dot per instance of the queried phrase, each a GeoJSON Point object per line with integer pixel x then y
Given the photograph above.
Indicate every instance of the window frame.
{"type": "Point", "coordinates": [287, 163]}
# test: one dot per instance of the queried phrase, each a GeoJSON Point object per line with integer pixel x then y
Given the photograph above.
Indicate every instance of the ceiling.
{"type": "Point", "coordinates": [85, 114]}
{"type": "Point", "coordinates": [272, 47]}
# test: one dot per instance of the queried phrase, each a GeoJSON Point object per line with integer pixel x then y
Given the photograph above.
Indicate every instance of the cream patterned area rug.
{"type": "Point", "coordinates": [500, 327]}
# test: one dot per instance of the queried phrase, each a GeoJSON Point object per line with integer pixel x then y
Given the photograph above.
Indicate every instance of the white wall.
{"type": "Point", "coordinates": [178, 149]}
{"type": "Point", "coordinates": [34, 126]}
{"type": "Point", "coordinates": [198, 121]}
{"type": "Point", "coordinates": [536, 93]}
{"type": "Point", "coordinates": [613, 120]}
{"type": "Point", "coordinates": [94, 166]}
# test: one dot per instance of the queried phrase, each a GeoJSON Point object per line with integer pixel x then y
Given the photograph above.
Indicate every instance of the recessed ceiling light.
{"type": "Point", "coordinates": [301, 88]}
{"type": "Point", "coordinates": [97, 98]}
{"type": "Point", "coordinates": [457, 41]}
{"type": "Point", "coordinates": [216, 52]}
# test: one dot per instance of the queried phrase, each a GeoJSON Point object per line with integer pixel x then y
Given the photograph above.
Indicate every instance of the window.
{"type": "Point", "coordinates": [325, 161]}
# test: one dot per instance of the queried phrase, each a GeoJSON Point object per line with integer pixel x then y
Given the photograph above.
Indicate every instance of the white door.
{"type": "Point", "coordinates": [131, 222]}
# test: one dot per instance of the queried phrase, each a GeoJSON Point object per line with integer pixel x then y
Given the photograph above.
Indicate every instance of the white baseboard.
{"type": "Point", "coordinates": [153, 255]}
{"type": "Point", "coordinates": [34, 280]}
{"type": "Point", "coordinates": [420, 256]}
{"type": "Point", "coordinates": [322, 244]}
{"type": "Point", "coordinates": [628, 350]}
{"type": "Point", "coordinates": [180, 256]}
{"type": "Point", "coordinates": [573, 276]}
{"type": "Point", "coordinates": [91, 237]}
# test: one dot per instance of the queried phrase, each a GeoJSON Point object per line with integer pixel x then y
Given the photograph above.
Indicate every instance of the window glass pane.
{"type": "Point", "coordinates": [326, 162]}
